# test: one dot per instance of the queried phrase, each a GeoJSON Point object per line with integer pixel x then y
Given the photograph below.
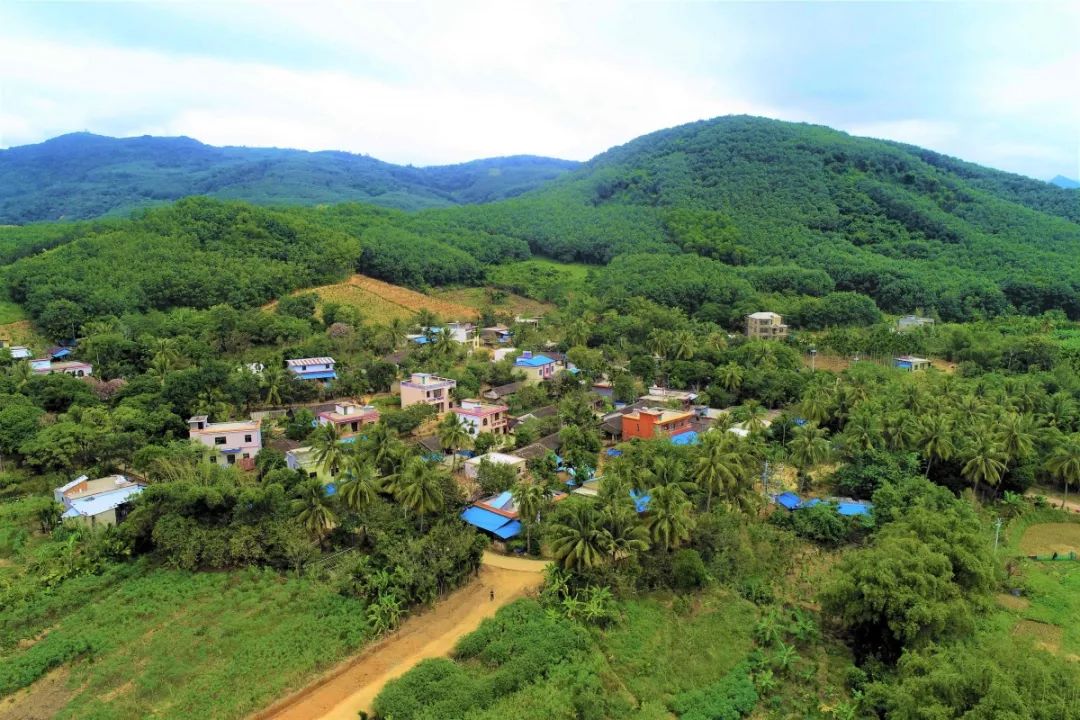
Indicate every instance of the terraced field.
{"type": "Point", "coordinates": [380, 302]}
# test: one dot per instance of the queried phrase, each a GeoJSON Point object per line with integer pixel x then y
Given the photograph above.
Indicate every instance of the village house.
{"type": "Point", "coordinates": [496, 335]}
{"type": "Point", "coordinates": [910, 322]}
{"type": "Point", "coordinates": [427, 389]}
{"type": "Point", "coordinates": [349, 417]}
{"type": "Point", "coordinates": [765, 326]}
{"type": "Point", "coordinates": [537, 368]}
{"type": "Point", "coordinates": [47, 366]}
{"type": "Point", "coordinates": [911, 363]}
{"type": "Point", "coordinates": [472, 465]}
{"type": "Point", "coordinates": [233, 443]}
{"type": "Point", "coordinates": [315, 368]}
{"type": "Point", "coordinates": [20, 352]}
{"type": "Point", "coordinates": [97, 503]}
{"type": "Point", "coordinates": [461, 333]}
{"type": "Point", "coordinates": [302, 460]}
{"type": "Point", "coordinates": [498, 514]}
{"type": "Point", "coordinates": [656, 422]}
{"type": "Point", "coordinates": [478, 417]}
{"type": "Point", "coordinates": [503, 391]}
{"type": "Point", "coordinates": [666, 396]}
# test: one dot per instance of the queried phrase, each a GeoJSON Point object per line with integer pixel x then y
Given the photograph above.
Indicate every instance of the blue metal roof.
{"type": "Point", "coordinates": [509, 530]}
{"type": "Point", "coordinates": [502, 500]}
{"type": "Point", "coordinates": [534, 361]}
{"type": "Point", "coordinates": [612, 452]}
{"type": "Point", "coordinates": [323, 375]}
{"type": "Point", "coordinates": [788, 500]}
{"type": "Point", "coordinates": [484, 519]}
{"type": "Point", "coordinates": [102, 502]}
{"type": "Point", "coordinates": [854, 508]}
{"type": "Point", "coordinates": [690, 437]}
{"type": "Point", "coordinates": [641, 502]}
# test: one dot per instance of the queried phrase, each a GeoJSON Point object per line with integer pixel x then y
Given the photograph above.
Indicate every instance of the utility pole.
{"type": "Point", "coordinates": [765, 477]}
{"type": "Point", "coordinates": [997, 533]}
{"type": "Point", "coordinates": [813, 358]}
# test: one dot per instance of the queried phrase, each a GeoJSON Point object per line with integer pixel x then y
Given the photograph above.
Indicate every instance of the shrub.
{"type": "Point", "coordinates": [689, 570]}
{"type": "Point", "coordinates": [730, 698]}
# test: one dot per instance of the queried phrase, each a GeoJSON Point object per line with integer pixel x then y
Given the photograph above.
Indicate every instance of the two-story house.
{"type": "Point", "coordinates": [537, 368]}
{"type": "Point", "coordinates": [349, 418]}
{"type": "Point", "coordinates": [427, 389]}
{"type": "Point", "coordinates": [479, 416]}
{"type": "Point", "coordinates": [233, 443]}
{"type": "Point", "coordinates": [316, 368]}
{"type": "Point", "coordinates": [765, 326]}
{"type": "Point", "coordinates": [648, 423]}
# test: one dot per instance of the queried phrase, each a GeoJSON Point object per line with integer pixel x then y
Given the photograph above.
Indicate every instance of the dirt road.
{"type": "Point", "coordinates": [353, 685]}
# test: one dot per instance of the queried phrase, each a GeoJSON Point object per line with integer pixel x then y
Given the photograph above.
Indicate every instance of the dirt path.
{"type": "Point", "coordinates": [353, 685]}
{"type": "Point", "coordinates": [1055, 499]}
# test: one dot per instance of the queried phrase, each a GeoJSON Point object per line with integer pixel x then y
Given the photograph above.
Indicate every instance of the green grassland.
{"type": "Point", "coordinates": [175, 644]}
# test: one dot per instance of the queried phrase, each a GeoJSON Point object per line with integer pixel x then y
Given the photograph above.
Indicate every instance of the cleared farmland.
{"type": "Point", "coordinates": [381, 302]}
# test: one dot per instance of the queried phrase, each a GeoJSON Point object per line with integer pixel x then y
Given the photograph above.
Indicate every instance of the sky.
{"type": "Point", "coordinates": [431, 83]}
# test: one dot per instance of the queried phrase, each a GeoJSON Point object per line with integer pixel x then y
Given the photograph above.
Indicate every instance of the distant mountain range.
{"type": "Point", "coordinates": [1063, 182]}
{"type": "Point", "coordinates": [82, 175]}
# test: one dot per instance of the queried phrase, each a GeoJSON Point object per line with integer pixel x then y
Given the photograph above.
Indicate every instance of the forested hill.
{"type": "Point", "coordinates": [82, 175]}
{"type": "Point", "coordinates": [906, 226]}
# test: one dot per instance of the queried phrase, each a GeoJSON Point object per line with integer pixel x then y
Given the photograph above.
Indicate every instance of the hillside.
{"type": "Point", "coordinates": [1063, 182]}
{"type": "Point", "coordinates": [908, 227]}
{"type": "Point", "coordinates": [82, 175]}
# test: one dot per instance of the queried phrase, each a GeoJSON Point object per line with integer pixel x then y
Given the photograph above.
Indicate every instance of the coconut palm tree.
{"type": "Point", "coordinates": [444, 345]}
{"type": "Point", "coordinates": [360, 483]}
{"type": "Point", "coordinates": [900, 430]}
{"type": "Point", "coordinates": [453, 435]}
{"type": "Point", "coordinates": [863, 431]}
{"type": "Point", "coordinates": [273, 380]}
{"type": "Point", "coordinates": [1017, 434]}
{"type": "Point", "coordinates": [984, 460]}
{"type": "Point", "coordinates": [935, 437]}
{"type": "Point", "coordinates": [809, 447]}
{"type": "Point", "coordinates": [1064, 462]}
{"type": "Point", "coordinates": [396, 331]}
{"type": "Point", "coordinates": [754, 414]}
{"type": "Point", "coordinates": [576, 535]}
{"type": "Point", "coordinates": [669, 521]}
{"type": "Point", "coordinates": [328, 451]}
{"type": "Point", "coordinates": [624, 534]}
{"type": "Point", "coordinates": [384, 448]}
{"type": "Point", "coordinates": [816, 405]}
{"type": "Point", "coordinates": [719, 465]}
{"type": "Point", "coordinates": [418, 488]}
{"type": "Point", "coordinates": [659, 342]}
{"type": "Point", "coordinates": [530, 499]}
{"type": "Point", "coordinates": [667, 471]}
{"type": "Point", "coordinates": [683, 344]}
{"type": "Point", "coordinates": [731, 376]}
{"type": "Point", "coordinates": [312, 510]}
{"type": "Point", "coordinates": [577, 333]}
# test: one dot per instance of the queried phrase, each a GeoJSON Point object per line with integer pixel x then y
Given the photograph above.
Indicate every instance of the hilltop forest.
{"type": "Point", "coordinates": [930, 574]}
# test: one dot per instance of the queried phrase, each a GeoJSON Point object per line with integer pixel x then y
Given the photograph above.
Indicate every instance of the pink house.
{"type": "Point", "coordinates": [481, 417]}
{"type": "Point", "coordinates": [349, 417]}
{"type": "Point", "coordinates": [428, 389]}
{"type": "Point", "coordinates": [233, 443]}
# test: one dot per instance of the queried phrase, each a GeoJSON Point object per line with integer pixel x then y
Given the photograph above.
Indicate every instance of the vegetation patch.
{"type": "Point", "coordinates": [379, 302]}
{"type": "Point", "coordinates": [1044, 634]}
{"type": "Point", "coordinates": [1049, 538]}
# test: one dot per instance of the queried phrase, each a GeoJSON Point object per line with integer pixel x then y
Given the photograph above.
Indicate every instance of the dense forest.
{"type": "Point", "coordinates": [81, 176]}
{"type": "Point", "coordinates": [680, 586]}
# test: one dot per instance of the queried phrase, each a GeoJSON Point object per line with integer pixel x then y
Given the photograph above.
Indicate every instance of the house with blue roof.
{"type": "Point", "coordinates": [498, 515]}
{"type": "Point", "coordinates": [97, 503]}
{"type": "Point", "coordinates": [537, 368]}
{"type": "Point", "coordinates": [313, 368]}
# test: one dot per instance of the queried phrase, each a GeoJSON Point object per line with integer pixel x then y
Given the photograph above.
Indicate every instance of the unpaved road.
{"type": "Point", "coordinates": [353, 685]}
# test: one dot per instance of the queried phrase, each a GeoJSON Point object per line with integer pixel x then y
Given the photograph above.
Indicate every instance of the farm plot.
{"type": "Point", "coordinates": [381, 302]}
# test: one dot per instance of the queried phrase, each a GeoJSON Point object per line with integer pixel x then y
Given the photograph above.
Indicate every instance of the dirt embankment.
{"type": "Point", "coordinates": [353, 685]}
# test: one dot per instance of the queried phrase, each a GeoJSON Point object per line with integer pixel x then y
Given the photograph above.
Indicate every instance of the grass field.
{"type": "Point", "coordinates": [380, 302]}
{"type": "Point", "coordinates": [512, 304]}
{"type": "Point", "coordinates": [1048, 538]}
{"type": "Point", "coordinates": [172, 644]}
{"type": "Point", "coordinates": [542, 279]}
{"type": "Point", "coordinates": [10, 312]}
{"type": "Point", "coordinates": [658, 653]}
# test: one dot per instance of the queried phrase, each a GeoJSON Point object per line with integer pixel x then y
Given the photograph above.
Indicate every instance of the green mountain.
{"type": "Point", "coordinates": [906, 226]}
{"type": "Point", "coordinates": [82, 175]}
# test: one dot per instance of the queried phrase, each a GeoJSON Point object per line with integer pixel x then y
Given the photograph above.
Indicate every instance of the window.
{"type": "Point", "coordinates": [247, 438]}
{"type": "Point", "coordinates": [247, 456]}
{"type": "Point", "coordinates": [220, 440]}
{"type": "Point", "coordinates": [313, 474]}
{"type": "Point", "coordinates": [231, 459]}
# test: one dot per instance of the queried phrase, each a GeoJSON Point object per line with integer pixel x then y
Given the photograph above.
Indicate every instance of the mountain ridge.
{"type": "Point", "coordinates": [84, 175]}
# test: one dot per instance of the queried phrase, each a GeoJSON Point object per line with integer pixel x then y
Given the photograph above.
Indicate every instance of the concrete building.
{"type": "Point", "coordinates": [48, 366]}
{"type": "Point", "coordinates": [537, 368]}
{"type": "Point", "coordinates": [349, 418]}
{"type": "Point", "coordinates": [910, 322]}
{"type": "Point", "coordinates": [302, 459]}
{"type": "Point", "coordinates": [233, 443]}
{"type": "Point", "coordinates": [765, 326]}
{"type": "Point", "coordinates": [314, 368]}
{"type": "Point", "coordinates": [479, 416]}
{"type": "Point", "coordinates": [911, 363]}
{"type": "Point", "coordinates": [428, 389]}
{"type": "Point", "coordinates": [472, 465]}
{"type": "Point", "coordinates": [99, 502]}
{"type": "Point", "coordinates": [656, 422]}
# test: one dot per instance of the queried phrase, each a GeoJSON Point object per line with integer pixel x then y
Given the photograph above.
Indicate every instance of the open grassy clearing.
{"type": "Point", "coordinates": [479, 298]}
{"type": "Point", "coordinates": [380, 302]}
{"type": "Point", "coordinates": [1048, 538]}
{"type": "Point", "coordinates": [173, 644]}
{"type": "Point", "coordinates": [20, 332]}
{"type": "Point", "coordinates": [658, 652]}
{"type": "Point", "coordinates": [10, 312]}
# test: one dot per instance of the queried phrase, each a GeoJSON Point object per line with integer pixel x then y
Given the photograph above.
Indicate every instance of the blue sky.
{"type": "Point", "coordinates": [425, 83]}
